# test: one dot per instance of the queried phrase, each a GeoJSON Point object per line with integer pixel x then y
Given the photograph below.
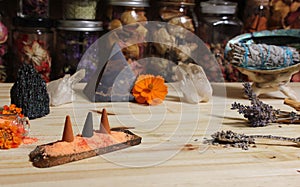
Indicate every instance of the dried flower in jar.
{"type": "Point", "coordinates": [34, 8]}
{"type": "Point", "coordinates": [3, 33]}
{"type": "Point", "coordinates": [85, 9]}
{"type": "Point", "coordinates": [284, 14]}
{"type": "Point", "coordinates": [256, 15]}
{"type": "Point", "coordinates": [132, 35]}
{"type": "Point", "coordinates": [40, 58]}
{"type": "Point", "coordinates": [167, 14]}
{"type": "Point", "coordinates": [130, 17]}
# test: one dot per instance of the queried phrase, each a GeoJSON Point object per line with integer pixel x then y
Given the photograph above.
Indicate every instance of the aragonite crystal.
{"type": "Point", "coordinates": [193, 83]}
{"type": "Point", "coordinates": [29, 92]}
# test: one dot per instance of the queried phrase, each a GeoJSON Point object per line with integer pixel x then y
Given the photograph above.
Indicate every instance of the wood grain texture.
{"type": "Point", "coordinates": [171, 152]}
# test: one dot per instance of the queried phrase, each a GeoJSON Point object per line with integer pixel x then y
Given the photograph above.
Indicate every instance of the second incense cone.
{"type": "Point", "coordinates": [88, 130]}
{"type": "Point", "coordinates": [104, 124]}
{"type": "Point", "coordinates": [68, 135]}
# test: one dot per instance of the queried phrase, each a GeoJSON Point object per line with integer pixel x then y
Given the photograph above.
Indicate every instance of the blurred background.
{"type": "Point", "coordinates": [54, 34]}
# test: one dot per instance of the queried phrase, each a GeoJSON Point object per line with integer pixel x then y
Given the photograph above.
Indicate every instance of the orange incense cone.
{"type": "Point", "coordinates": [68, 135]}
{"type": "Point", "coordinates": [104, 124]}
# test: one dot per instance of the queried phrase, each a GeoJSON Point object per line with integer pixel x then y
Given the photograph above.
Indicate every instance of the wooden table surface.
{"type": "Point", "coordinates": [172, 152]}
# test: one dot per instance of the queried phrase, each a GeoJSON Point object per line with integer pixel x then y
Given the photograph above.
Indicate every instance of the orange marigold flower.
{"type": "Point", "coordinates": [5, 107]}
{"type": "Point", "coordinates": [10, 136]}
{"type": "Point", "coordinates": [12, 109]}
{"type": "Point", "coordinates": [149, 89]}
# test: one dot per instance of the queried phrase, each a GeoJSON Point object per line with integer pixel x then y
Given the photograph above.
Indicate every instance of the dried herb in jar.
{"type": "Point", "coordinates": [82, 10]}
{"type": "Point", "coordinates": [34, 8]}
{"type": "Point", "coordinates": [256, 15]}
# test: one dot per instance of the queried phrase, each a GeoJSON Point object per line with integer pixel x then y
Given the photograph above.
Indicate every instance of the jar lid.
{"type": "Point", "coordinates": [33, 22]}
{"type": "Point", "coordinates": [178, 2]}
{"type": "Point", "coordinates": [134, 3]}
{"type": "Point", "coordinates": [218, 7]}
{"type": "Point", "coordinates": [73, 25]}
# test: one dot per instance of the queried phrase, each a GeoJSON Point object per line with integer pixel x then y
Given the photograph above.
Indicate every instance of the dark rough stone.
{"type": "Point", "coordinates": [29, 92]}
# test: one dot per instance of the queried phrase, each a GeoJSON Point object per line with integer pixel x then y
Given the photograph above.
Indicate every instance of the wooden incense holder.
{"type": "Point", "coordinates": [72, 148]}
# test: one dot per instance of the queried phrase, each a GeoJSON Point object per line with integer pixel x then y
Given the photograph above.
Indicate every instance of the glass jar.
{"type": "Point", "coordinates": [284, 14]}
{"type": "Point", "coordinates": [34, 8]}
{"type": "Point", "coordinates": [80, 9]}
{"type": "Point", "coordinates": [178, 12]}
{"type": "Point", "coordinates": [17, 120]}
{"type": "Point", "coordinates": [33, 41]}
{"type": "Point", "coordinates": [3, 50]}
{"type": "Point", "coordinates": [256, 15]}
{"type": "Point", "coordinates": [123, 12]}
{"type": "Point", "coordinates": [130, 18]}
{"type": "Point", "coordinates": [218, 21]}
{"type": "Point", "coordinates": [218, 24]}
{"type": "Point", "coordinates": [72, 40]}
{"type": "Point", "coordinates": [176, 25]}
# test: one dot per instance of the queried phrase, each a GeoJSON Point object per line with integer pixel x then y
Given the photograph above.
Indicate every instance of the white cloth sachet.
{"type": "Point", "coordinates": [61, 90]}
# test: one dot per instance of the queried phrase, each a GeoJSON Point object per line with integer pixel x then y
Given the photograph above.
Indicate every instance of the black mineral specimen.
{"type": "Point", "coordinates": [29, 92]}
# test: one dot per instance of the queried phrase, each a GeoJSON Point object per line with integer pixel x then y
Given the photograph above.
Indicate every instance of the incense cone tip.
{"type": "Point", "coordinates": [104, 126]}
{"type": "Point", "coordinates": [68, 135]}
{"type": "Point", "coordinates": [88, 129]}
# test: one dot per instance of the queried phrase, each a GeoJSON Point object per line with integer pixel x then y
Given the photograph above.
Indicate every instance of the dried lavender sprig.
{"type": "Point", "coordinates": [233, 139]}
{"type": "Point", "coordinates": [279, 138]}
{"type": "Point", "coordinates": [243, 141]}
{"type": "Point", "coordinates": [261, 114]}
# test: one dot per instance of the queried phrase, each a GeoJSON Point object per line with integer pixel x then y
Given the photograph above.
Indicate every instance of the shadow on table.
{"type": "Point", "coordinates": [235, 91]}
{"type": "Point", "coordinates": [239, 122]}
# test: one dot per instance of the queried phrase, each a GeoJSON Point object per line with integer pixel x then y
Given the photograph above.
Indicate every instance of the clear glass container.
{"type": "Point", "coordinates": [80, 9]}
{"type": "Point", "coordinates": [256, 15]}
{"type": "Point", "coordinates": [72, 40]}
{"type": "Point", "coordinates": [284, 14]}
{"type": "Point", "coordinates": [20, 121]}
{"type": "Point", "coordinates": [123, 12]}
{"type": "Point", "coordinates": [218, 24]}
{"type": "Point", "coordinates": [33, 44]}
{"type": "Point", "coordinates": [130, 18]}
{"type": "Point", "coordinates": [34, 8]}
{"type": "Point", "coordinates": [218, 21]}
{"type": "Point", "coordinates": [173, 36]}
{"type": "Point", "coordinates": [3, 50]}
{"type": "Point", "coordinates": [177, 12]}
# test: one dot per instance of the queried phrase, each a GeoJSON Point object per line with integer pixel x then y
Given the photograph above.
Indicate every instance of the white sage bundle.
{"type": "Point", "coordinates": [262, 56]}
